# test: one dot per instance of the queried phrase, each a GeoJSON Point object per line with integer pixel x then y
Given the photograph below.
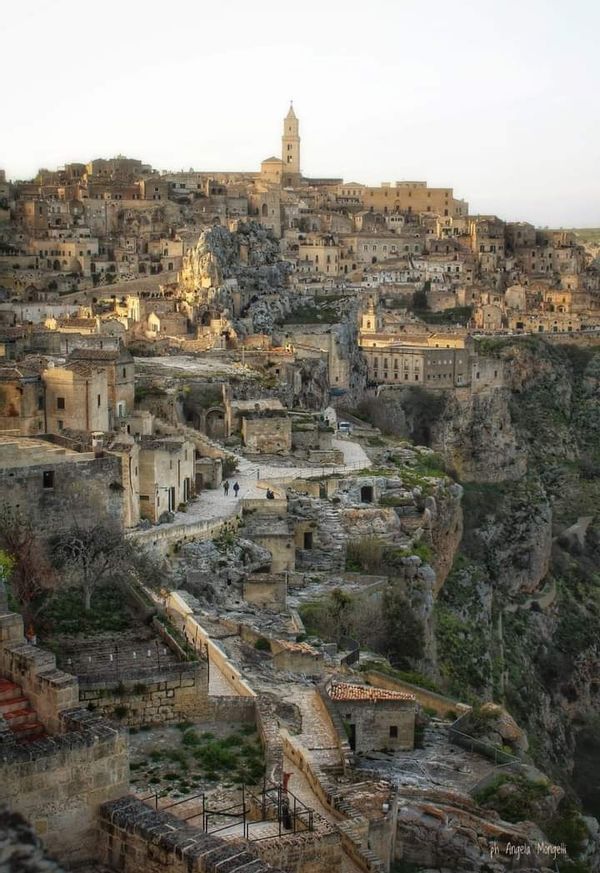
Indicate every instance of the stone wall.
{"type": "Point", "coordinates": [263, 506]}
{"type": "Point", "coordinates": [181, 604]}
{"type": "Point", "coordinates": [305, 852]}
{"type": "Point", "coordinates": [354, 828]}
{"type": "Point", "coordinates": [269, 435]}
{"type": "Point", "coordinates": [176, 693]}
{"type": "Point", "coordinates": [20, 849]}
{"type": "Point", "coordinates": [134, 838]}
{"type": "Point", "coordinates": [58, 783]}
{"type": "Point", "coordinates": [428, 699]}
{"type": "Point", "coordinates": [162, 537]}
{"type": "Point", "coordinates": [266, 589]}
{"type": "Point", "coordinates": [50, 691]}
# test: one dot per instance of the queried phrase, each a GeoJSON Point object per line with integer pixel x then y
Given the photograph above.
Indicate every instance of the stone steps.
{"type": "Point", "coordinates": [18, 714]}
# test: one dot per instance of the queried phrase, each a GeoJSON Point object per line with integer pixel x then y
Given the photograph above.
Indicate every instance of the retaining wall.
{"type": "Point", "coordinates": [162, 536]}
{"type": "Point", "coordinates": [430, 699]}
{"type": "Point", "coordinates": [176, 693]}
{"type": "Point", "coordinates": [201, 641]}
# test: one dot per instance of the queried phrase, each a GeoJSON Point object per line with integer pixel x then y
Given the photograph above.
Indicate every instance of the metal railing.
{"type": "Point", "coordinates": [273, 804]}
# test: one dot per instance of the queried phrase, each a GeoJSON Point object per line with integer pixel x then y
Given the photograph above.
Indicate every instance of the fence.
{"type": "Point", "coordinates": [273, 804]}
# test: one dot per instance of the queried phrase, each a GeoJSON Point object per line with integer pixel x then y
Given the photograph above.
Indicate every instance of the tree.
{"type": "Point", "coordinates": [31, 573]}
{"type": "Point", "coordinates": [419, 299]}
{"type": "Point", "coordinates": [91, 556]}
{"type": "Point", "coordinates": [404, 631]}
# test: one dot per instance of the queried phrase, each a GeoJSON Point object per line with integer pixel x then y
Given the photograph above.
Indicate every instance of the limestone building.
{"type": "Point", "coordinates": [375, 718]}
{"type": "Point", "coordinates": [166, 475]}
{"type": "Point", "coordinates": [76, 398]}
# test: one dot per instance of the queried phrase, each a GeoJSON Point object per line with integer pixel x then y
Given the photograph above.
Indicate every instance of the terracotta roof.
{"type": "Point", "coordinates": [345, 691]}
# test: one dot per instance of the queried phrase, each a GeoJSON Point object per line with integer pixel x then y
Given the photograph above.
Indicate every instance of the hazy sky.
{"type": "Point", "coordinates": [499, 100]}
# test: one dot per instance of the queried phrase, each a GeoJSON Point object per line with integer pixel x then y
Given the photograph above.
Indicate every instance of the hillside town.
{"type": "Point", "coordinates": [243, 419]}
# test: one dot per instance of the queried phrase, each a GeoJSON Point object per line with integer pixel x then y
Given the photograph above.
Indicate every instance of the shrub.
{"type": "Point", "coordinates": [364, 555]}
{"type": "Point", "coordinates": [517, 805]}
{"type": "Point", "coordinates": [569, 828]}
{"type": "Point", "coordinates": [120, 711]}
{"type": "Point", "coordinates": [190, 738]}
{"type": "Point", "coordinates": [262, 644]}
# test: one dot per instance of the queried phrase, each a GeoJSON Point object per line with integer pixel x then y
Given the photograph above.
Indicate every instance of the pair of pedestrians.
{"type": "Point", "coordinates": [236, 488]}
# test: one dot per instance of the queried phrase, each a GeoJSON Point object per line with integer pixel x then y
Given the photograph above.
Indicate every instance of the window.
{"type": "Point", "coordinates": [60, 424]}
{"type": "Point", "coordinates": [60, 402]}
{"type": "Point", "coordinates": [393, 732]}
{"type": "Point", "coordinates": [48, 478]}
{"type": "Point", "coordinates": [99, 400]}
{"type": "Point", "coordinates": [124, 372]}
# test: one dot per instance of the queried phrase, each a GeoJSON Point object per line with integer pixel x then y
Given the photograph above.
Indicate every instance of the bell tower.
{"type": "Point", "coordinates": [290, 148]}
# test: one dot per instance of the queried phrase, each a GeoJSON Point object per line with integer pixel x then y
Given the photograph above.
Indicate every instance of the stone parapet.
{"type": "Point", "coordinates": [133, 837]}
{"type": "Point", "coordinates": [50, 691]}
{"type": "Point", "coordinates": [59, 782]}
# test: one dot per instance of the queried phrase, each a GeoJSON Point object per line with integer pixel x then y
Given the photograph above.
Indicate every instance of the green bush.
{"type": "Point", "coordinates": [262, 644]}
{"type": "Point", "coordinates": [518, 805]}
{"type": "Point", "coordinates": [567, 827]}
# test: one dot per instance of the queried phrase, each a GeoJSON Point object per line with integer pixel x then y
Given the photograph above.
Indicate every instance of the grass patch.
{"type": "Point", "coordinates": [404, 675]}
{"type": "Point", "coordinates": [64, 613]}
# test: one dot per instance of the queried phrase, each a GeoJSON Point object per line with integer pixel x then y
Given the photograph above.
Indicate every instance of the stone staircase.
{"type": "Point", "coordinates": [18, 714]}
{"type": "Point", "coordinates": [329, 553]}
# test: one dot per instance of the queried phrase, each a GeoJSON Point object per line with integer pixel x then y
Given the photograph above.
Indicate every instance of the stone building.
{"type": "Point", "coordinates": [375, 718]}
{"type": "Point", "coordinates": [52, 484]}
{"type": "Point", "coordinates": [400, 364]}
{"type": "Point", "coordinates": [409, 197]}
{"type": "Point", "coordinates": [76, 398]}
{"type": "Point", "coordinates": [21, 400]}
{"type": "Point", "coordinates": [166, 475]}
{"type": "Point", "coordinates": [267, 433]}
{"type": "Point", "coordinates": [119, 367]}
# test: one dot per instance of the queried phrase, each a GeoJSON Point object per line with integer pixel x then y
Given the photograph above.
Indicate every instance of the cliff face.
{"type": "Point", "coordinates": [518, 619]}
{"type": "Point", "coordinates": [477, 436]}
{"type": "Point", "coordinates": [242, 269]}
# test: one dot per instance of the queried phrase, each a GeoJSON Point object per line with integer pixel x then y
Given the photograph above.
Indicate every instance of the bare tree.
{"type": "Point", "coordinates": [92, 556]}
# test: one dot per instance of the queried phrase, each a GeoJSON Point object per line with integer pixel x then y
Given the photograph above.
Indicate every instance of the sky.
{"type": "Point", "coordinates": [498, 100]}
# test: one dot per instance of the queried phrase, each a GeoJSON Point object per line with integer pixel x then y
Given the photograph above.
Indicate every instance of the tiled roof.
{"type": "Point", "coordinates": [94, 355]}
{"type": "Point", "coordinates": [345, 691]}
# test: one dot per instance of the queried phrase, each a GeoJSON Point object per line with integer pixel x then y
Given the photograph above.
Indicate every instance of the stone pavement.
{"type": "Point", "coordinates": [214, 506]}
{"type": "Point", "coordinates": [318, 734]}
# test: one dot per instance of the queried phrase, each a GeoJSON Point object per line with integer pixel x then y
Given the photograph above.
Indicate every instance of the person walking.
{"type": "Point", "coordinates": [236, 488]}
{"type": "Point", "coordinates": [226, 487]}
